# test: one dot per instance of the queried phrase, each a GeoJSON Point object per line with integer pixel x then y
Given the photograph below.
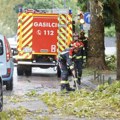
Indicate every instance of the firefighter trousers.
{"type": "Point", "coordinates": [64, 71]}
{"type": "Point", "coordinates": [79, 67]}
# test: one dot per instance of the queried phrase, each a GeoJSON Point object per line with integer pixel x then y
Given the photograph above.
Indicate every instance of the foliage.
{"type": "Point", "coordinates": [44, 4]}
{"type": "Point", "coordinates": [8, 17]}
{"type": "Point", "coordinates": [101, 103]}
{"type": "Point", "coordinates": [9, 10]}
{"type": "Point", "coordinates": [88, 71]}
{"type": "Point", "coordinates": [32, 93]}
{"type": "Point", "coordinates": [51, 4]}
{"type": "Point", "coordinates": [111, 62]}
{"type": "Point", "coordinates": [110, 31]}
{"type": "Point", "coordinates": [83, 5]}
{"type": "Point", "coordinates": [14, 114]}
{"type": "Point", "coordinates": [108, 16]}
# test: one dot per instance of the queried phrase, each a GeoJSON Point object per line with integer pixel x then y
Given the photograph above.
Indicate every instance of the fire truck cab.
{"type": "Point", "coordinates": [41, 36]}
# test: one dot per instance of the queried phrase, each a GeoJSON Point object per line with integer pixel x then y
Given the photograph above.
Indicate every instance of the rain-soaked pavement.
{"type": "Point", "coordinates": [41, 81]}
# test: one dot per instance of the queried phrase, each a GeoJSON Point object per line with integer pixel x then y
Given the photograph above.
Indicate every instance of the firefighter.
{"type": "Point", "coordinates": [67, 59]}
{"type": "Point", "coordinates": [79, 60]}
{"type": "Point", "coordinates": [75, 38]}
{"type": "Point", "coordinates": [84, 39]}
{"type": "Point", "coordinates": [83, 49]}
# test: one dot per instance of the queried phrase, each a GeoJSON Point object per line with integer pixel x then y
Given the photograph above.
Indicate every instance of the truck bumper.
{"type": "Point", "coordinates": [34, 64]}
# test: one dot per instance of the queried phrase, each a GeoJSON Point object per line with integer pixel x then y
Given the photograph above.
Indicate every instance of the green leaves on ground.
{"type": "Point", "coordinates": [14, 114]}
{"type": "Point", "coordinates": [104, 102]}
{"type": "Point", "coordinates": [32, 93]}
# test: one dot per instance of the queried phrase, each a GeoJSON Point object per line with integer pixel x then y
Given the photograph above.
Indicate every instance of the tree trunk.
{"type": "Point", "coordinates": [96, 55]}
{"type": "Point", "coordinates": [116, 14]}
{"type": "Point", "coordinates": [118, 53]}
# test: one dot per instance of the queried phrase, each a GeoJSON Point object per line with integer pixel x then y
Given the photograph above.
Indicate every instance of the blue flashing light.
{"type": "Point", "coordinates": [20, 9]}
{"type": "Point", "coordinates": [70, 11]}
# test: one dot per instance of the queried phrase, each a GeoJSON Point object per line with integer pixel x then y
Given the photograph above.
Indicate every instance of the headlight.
{"type": "Point", "coordinates": [27, 49]}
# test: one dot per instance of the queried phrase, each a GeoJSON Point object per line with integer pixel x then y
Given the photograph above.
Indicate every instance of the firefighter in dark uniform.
{"type": "Point", "coordinates": [83, 49]}
{"type": "Point", "coordinates": [75, 36]}
{"type": "Point", "coordinates": [70, 58]}
{"type": "Point", "coordinates": [84, 39]}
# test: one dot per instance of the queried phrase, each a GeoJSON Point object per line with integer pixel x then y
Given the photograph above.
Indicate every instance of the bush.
{"type": "Point", "coordinates": [110, 31]}
{"type": "Point", "coordinates": [111, 62]}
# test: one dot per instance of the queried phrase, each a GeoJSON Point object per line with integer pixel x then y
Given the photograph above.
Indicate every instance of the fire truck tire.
{"type": "Point", "coordinates": [28, 71]}
{"type": "Point", "coordinates": [20, 71]}
{"type": "Point", "coordinates": [58, 72]}
{"type": "Point", "coordinates": [9, 85]}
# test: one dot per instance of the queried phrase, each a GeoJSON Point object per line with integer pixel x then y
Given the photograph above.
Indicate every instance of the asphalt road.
{"type": "Point", "coordinates": [41, 81]}
{"type": "Point", "coordinates": [110, 46]}
{"type": "Point", "coordinates": [40, 78]}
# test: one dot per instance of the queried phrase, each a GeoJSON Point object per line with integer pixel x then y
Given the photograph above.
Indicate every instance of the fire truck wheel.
{"type": "Point", "coordinates": [9, 85]}
{"type": "Point", "coordinates": [20, 70]}
{"type": "Point", "coordinates": [28, 71]}
{"type": "Point", "coordinates": [58, 71]}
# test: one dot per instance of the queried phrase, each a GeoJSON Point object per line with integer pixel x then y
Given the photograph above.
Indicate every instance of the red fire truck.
{"type": "Point", "coordinates": [42, 35]}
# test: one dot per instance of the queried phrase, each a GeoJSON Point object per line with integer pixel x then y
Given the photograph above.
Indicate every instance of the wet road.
{"type": "Point", "coordinates": [20, 99]}
{"type": "Point", "coordinates": [41, 81]}
{"type": "Point", "coordinates": [40, 78]}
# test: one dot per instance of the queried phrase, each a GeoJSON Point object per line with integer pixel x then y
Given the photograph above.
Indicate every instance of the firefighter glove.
{"type": "Point", "coordinates": [72, 67]}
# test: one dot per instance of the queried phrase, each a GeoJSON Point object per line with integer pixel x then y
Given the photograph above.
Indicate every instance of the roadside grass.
{"type": "Point", "coordinates": [22, 113]}
{"type": "Point", "coordinates": [16, 99]}
{"type": "Point", "coordinates": [88, 71]}
{"type": "Point", "coordinates": [110, 62]}
{"type": "Point", "coordinates": [14, 114]}
{"type": "Point", "coordinates": [104, 102]}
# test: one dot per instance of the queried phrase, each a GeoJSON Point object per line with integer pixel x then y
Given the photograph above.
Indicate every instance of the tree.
{"type": "Point", "coordinates": [96, 54]}
{"type": "Point", "coordinates": [111, 10]}
{"type": "Point", "coordinates": [8, 17]}
{"type": "Point", "coordinates": [9, 9]}
{"type": "Point", "coordinates": [51, 4]}
{"type": "Point", "coordinates": [116, 13]}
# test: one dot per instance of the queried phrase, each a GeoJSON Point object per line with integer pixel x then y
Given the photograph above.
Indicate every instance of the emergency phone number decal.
{"type": "Point", "coordinates": [45, 32]}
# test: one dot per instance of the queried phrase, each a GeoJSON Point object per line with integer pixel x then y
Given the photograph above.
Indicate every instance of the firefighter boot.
{"type": "Point", "coordinates": [79, 81]}
{"type": "Point", "coordinates": [68, 88]}
{"type": "Point", "coordinates": [63, 87]}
